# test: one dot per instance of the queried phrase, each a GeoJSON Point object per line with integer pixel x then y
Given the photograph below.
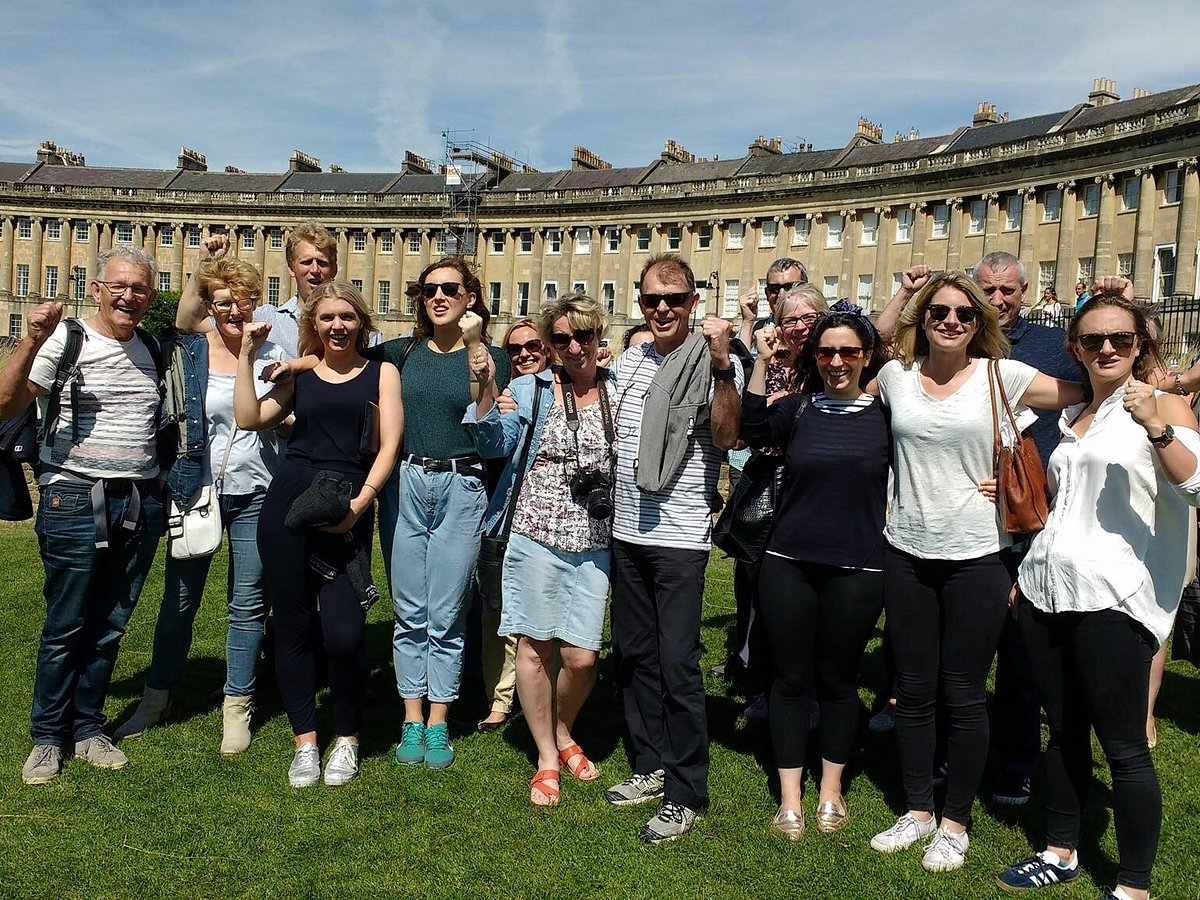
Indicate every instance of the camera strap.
{"type": "Point", "coordinates": [572, 412]}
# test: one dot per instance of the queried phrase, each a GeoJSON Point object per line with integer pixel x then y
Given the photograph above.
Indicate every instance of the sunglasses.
{"type": "Point", "coordinates": [651, 301]}
{"type": "Point", "coordinates": [535, 346]}
{"type": "Point", "coordinates": [581, 336]}
{"type": "Point", "coordinates": [783, 286]}
{"type": "Point", "coordinates": [448, 288]}
{"type": "Point", "coordinates": [826, 354]}
{"type": "Point", "coordinates": [1094, 343]}
{"type": "Point", "coordinates": [939, 312]}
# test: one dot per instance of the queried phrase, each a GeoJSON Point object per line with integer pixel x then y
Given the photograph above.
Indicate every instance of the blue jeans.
{"type": "Point", "coordinates": [90, 595]}
{"type": "Point", "coordinates": [430, 526]}
{"type": "Point", "coordinates": [183, 589]}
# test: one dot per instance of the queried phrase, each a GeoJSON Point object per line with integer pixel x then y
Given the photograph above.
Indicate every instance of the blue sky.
{"type": "Point", "coordinates": [359, 83]}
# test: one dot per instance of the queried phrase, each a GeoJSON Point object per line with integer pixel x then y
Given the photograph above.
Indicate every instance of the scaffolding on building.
{"type": "Point", "coordinates": [471, 167]}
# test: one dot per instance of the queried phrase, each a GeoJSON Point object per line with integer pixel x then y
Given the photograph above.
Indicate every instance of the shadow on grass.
{"type": "Point", "coordinates": [1179, 702]}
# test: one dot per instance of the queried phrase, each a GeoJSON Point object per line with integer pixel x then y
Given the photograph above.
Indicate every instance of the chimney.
{"type": "Point", "coordinates": [1104, 92]}
{"type": "Point", "coordinates": [234, 170]}
{"type": "Point", "coordinates": [51, 154]}
{"type": "Point", "coordinates": [985, 115]}
{"type": "Point", "coordinates": [1141, 92]}
{"type": "Point", "coordinates": [334, 167]}
{"type": "Point", "coordinates": [869, 130]}
{"type": "Point", "coordinates": [73, 159]}
{"type": "Point", "coordinates": [302, 162]}
{"type": "Point", "coordinates": [674, 152]}
{"type": "Point", "coordinates": [527, 169]}
{"type": "Point", "coordinates": [191, 160]}
{"type": "Point", "coordinates": [416, 165]}
{"type": "Point", "coordinates": [766, 146]}
{"type": "Point", "coordinates": [584, 159]}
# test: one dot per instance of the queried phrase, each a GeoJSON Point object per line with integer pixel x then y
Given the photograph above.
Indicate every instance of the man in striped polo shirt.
{"type": "Point", "coordinates": [678, 410]}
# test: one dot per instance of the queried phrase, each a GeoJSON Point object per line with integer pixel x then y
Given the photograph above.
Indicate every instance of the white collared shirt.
{"type": "Point", "coordinates": [1117, 533]}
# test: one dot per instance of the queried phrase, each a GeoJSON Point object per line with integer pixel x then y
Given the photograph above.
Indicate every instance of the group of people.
{"type": "Point", "coordinates": [588, 476]}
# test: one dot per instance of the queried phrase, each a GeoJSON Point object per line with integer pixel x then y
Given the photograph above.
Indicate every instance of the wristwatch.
{"type": "Point", "coordinates": [723, 374]}
{"type": "Point", "coordinates": [1165, 438]}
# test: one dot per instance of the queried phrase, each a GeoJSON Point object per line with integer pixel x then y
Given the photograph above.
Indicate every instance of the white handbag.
{"type": "Point", "coordinates": [196, 530]}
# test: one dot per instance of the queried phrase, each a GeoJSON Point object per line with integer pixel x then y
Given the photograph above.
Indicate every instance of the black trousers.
{"type": "Point", "coordinates": [657, 594]}
{"type": "Point", "coordinates": [944, 618]}
{"type": "Point", "coordinates": [818, 620]}
{"type": "Point", "coordinates": [1016, 710]}
{"type": "Point", "coordinates": [1092, 670]}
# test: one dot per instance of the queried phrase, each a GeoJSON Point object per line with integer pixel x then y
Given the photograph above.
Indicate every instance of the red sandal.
{"type": "Point", "coordinates": [540, 781]}
{"type": "Point", "coordinates": [574, 750]}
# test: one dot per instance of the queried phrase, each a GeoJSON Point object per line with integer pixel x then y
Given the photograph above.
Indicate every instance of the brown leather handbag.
{"type": "Point", "coordinates": [1021, 489]}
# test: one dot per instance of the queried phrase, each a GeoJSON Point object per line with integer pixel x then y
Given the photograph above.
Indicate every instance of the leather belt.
{"type": "Point", "coordinates": [460, 465]}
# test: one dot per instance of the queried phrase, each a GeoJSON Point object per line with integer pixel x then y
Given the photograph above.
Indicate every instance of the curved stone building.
{"type": "Point", "coordinates": [1106, 186]}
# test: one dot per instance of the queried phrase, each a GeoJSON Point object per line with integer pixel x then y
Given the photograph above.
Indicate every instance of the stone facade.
{"type": "Point", "coordinates": [1107, 186]}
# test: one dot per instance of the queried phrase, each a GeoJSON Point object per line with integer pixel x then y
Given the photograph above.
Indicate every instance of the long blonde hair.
{"type": "Point", "coordinates": [910, 342]}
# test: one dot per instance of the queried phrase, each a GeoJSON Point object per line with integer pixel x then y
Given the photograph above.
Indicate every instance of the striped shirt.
{"type": "Point", "coordinates": [679, 516]}
{"type": "Point", "coordinates": [117, 390]}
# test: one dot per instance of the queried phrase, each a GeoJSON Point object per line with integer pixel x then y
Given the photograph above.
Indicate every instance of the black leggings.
{"type": "Point", "coordinates": [818, 620]}
{"type": "Point", "coordinates": [1092, 670]}
{"type": "Point", "coordinates": [298, 596]}
{"type": "Point", "coordinates": [944, 619]}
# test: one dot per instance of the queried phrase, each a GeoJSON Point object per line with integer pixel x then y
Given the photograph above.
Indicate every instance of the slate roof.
{"type": "Point", "coordinates": [98, 177]}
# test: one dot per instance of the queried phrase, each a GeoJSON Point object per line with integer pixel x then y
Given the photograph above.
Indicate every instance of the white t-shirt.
{"type": "Point", "coordinates": [117, 390]}
{"type": "Point", "coordinates": [943, 449]}
{"type": "Point", "coordinates": [255, 454]}
{"type": "Point", "coordinates": [679, 515]}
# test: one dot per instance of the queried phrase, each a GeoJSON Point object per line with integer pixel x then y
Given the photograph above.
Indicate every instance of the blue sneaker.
{"type": "Point", "coordinates": [1038, 871]}
{"type": "Point", "coordinates": [438, 752]}
{"type": "Point", "coordinates": [411, 749]}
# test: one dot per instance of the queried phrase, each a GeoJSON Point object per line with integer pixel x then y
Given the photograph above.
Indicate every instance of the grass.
{"type": "Point", "coordinates": [182, 821]}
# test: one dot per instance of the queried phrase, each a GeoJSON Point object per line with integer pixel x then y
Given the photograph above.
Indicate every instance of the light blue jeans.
{"type": "Point", "coordinates": [430, 526]}
{"type": "Point", "coordinates": [183, 589]}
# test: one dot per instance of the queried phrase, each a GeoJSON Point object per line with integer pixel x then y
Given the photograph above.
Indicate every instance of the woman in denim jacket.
{"type": "Point", "coordinates": [200, 395]}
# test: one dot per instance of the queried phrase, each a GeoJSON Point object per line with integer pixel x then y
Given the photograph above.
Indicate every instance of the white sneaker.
{"type": "Point", "coordinates": [343, 762]}
{"type": "Point", "coordinates": [305, 769]}
{"type": "Point", "coordinates": [904, 833]}
{"type": "Point", "coordinates": [946, 852]}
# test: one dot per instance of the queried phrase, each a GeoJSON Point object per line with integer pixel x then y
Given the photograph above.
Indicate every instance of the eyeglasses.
{"type": "Point", "coordinates": [808, 320]}
{"type": "Point", "coordinates": [118, 289]}
{"type": "Point", "coordinates": [826, 354]}
{"type": "Point", "coordinates": [244, 304]}
{"type": "Point", "coordinates": [939, 312]}
{"type": "Point", "coordinates": [783, 286]}
{"type": "Point", "coordinates": [534, 346]}
{"type": "Point", "coordinates": [651, 301]}
{"type": "Point", "coordinates": [448, 288]}
{"type": "Point", "coordinates": [1094, 343]}
{"type": "Point", "coordinates": [582, 336]}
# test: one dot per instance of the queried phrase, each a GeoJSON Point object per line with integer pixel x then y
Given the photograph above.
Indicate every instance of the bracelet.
{"type": "Point", "coordinates": [374, 489]}
{"type": "Point", "coordinates": [723, 374]}
{"type": "Point", "coordinates": [1179, 386]}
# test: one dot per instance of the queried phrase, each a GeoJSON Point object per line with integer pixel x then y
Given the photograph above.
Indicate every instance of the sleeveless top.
{"type": "Point", "coordinates": [330, 419]}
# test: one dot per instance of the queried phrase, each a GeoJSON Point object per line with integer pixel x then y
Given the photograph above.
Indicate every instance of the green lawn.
{"type": "Point", "coordinates": [182, 821]}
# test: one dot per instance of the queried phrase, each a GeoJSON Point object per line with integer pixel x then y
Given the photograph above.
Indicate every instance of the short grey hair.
{"type": "Point", "coordinates": [998, 262]}
{"type": "Point", "coordinates": [136, 255]}
{"type": "Point", "coordinates": [784, 263]}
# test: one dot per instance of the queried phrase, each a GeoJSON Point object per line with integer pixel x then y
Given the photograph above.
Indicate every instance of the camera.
{"type": "Point", "coordinates": [592, 489]}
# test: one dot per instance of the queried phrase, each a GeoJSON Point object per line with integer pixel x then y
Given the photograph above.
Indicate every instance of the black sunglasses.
{"type": "Point", "coordinates": [651, 301]}
{"type": "Point", "coordinates": [534, 346]}
{"type": "Point", "coordinates": [826, 354]}
{"type": "Point", "coordinates": [938, 312]}
{"type": "Point", "coordinates": [448, 288]}
{"type": "Point", "coordinates": [1094, 343]}
{"type": "Point", "coordinates": [783, 286]}
{"type": "Point", "coordinates": [582, 336]}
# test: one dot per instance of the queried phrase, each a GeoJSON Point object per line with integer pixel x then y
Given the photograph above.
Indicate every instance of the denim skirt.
{"type": "Point", "coordinates": [550, 594]}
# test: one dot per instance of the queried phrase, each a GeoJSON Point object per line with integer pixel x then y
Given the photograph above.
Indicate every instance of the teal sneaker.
{"type": "Point", "coordinates": [438, 752]}
{"type": "Point", "coordinates": [411, 749]}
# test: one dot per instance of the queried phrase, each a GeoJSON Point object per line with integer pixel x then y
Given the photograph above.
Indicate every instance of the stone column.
{"type": "Point", "coordinates": [427, 239]}
{"type": "Point", "coordinates": [6, 256]}
{"type": "Point", "coordinates": [1066, 266]}
{"type": "Point", "coordinates": [369, 292]}
{"type": "Point", "coordinates": [1143, 249]}
{"type": "Point", "coordinates": [1105, 262]}
{"type": "Point", "coordinates": [36, 276]}
{"type": "Point", "coordinates": [882, 286]}
{"type": "Point", "coordinates": [106, 236]}
{"type": "Point", "coordinates": [96, 239]}
{"type": "Point", "coordinates": [991, 228]}
{"type": "Point", "coordinates": [536, 289]}
{"type": "Point", "coordinates": [954, 245]}
{"type": "Point", "coordinates": [177, 239]}
{"type": "Point", "coordinates": [918, 236]}
{"type": "Point", "coordinates": [510, 258]}
{"type": "Point", "coordinates": [750, 229]}
{"type": "Point", "coordinates": [64, 259]}
{"type": "Point", "coordinates": [846, 284]}
{"type": "Point", "coordinates": [1185, 251]}
{"type": "Point", "coordinates": [656, 238]}
{"type": "Point", "coordinates": [140, 230]}
{"type": "Point", "coordinates": [597, 248]}
{"type": "Point", "coordinates": [343, 248]}
{"type": "Point", "coordinates": [1027, 246]}
{"type": "Point", "coordinates": [624, 304]}
{"type": "Point", "coordinates": [397, 270]}
{"type": "Point", "coordinates": [568, 258]}
{"type": "Point", "coordinates": [260, 252]}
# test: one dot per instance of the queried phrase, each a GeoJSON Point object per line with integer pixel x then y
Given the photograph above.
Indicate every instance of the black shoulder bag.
{"type": "Point", "coordinates": [494, 544]}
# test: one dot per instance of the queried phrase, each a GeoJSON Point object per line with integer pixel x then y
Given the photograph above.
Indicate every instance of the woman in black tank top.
{"type": "Point", "coordinates": [348, 426]}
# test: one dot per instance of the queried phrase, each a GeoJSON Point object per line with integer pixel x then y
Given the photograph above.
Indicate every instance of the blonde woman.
{"type": "Point", "coordinates": [947, 588]}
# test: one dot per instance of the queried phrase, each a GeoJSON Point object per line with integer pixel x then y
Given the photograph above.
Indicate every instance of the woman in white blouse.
{"type": "Point", "coordinates": [946, 588]}
{"type": "Point", "coordinates": [1104, 580]}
